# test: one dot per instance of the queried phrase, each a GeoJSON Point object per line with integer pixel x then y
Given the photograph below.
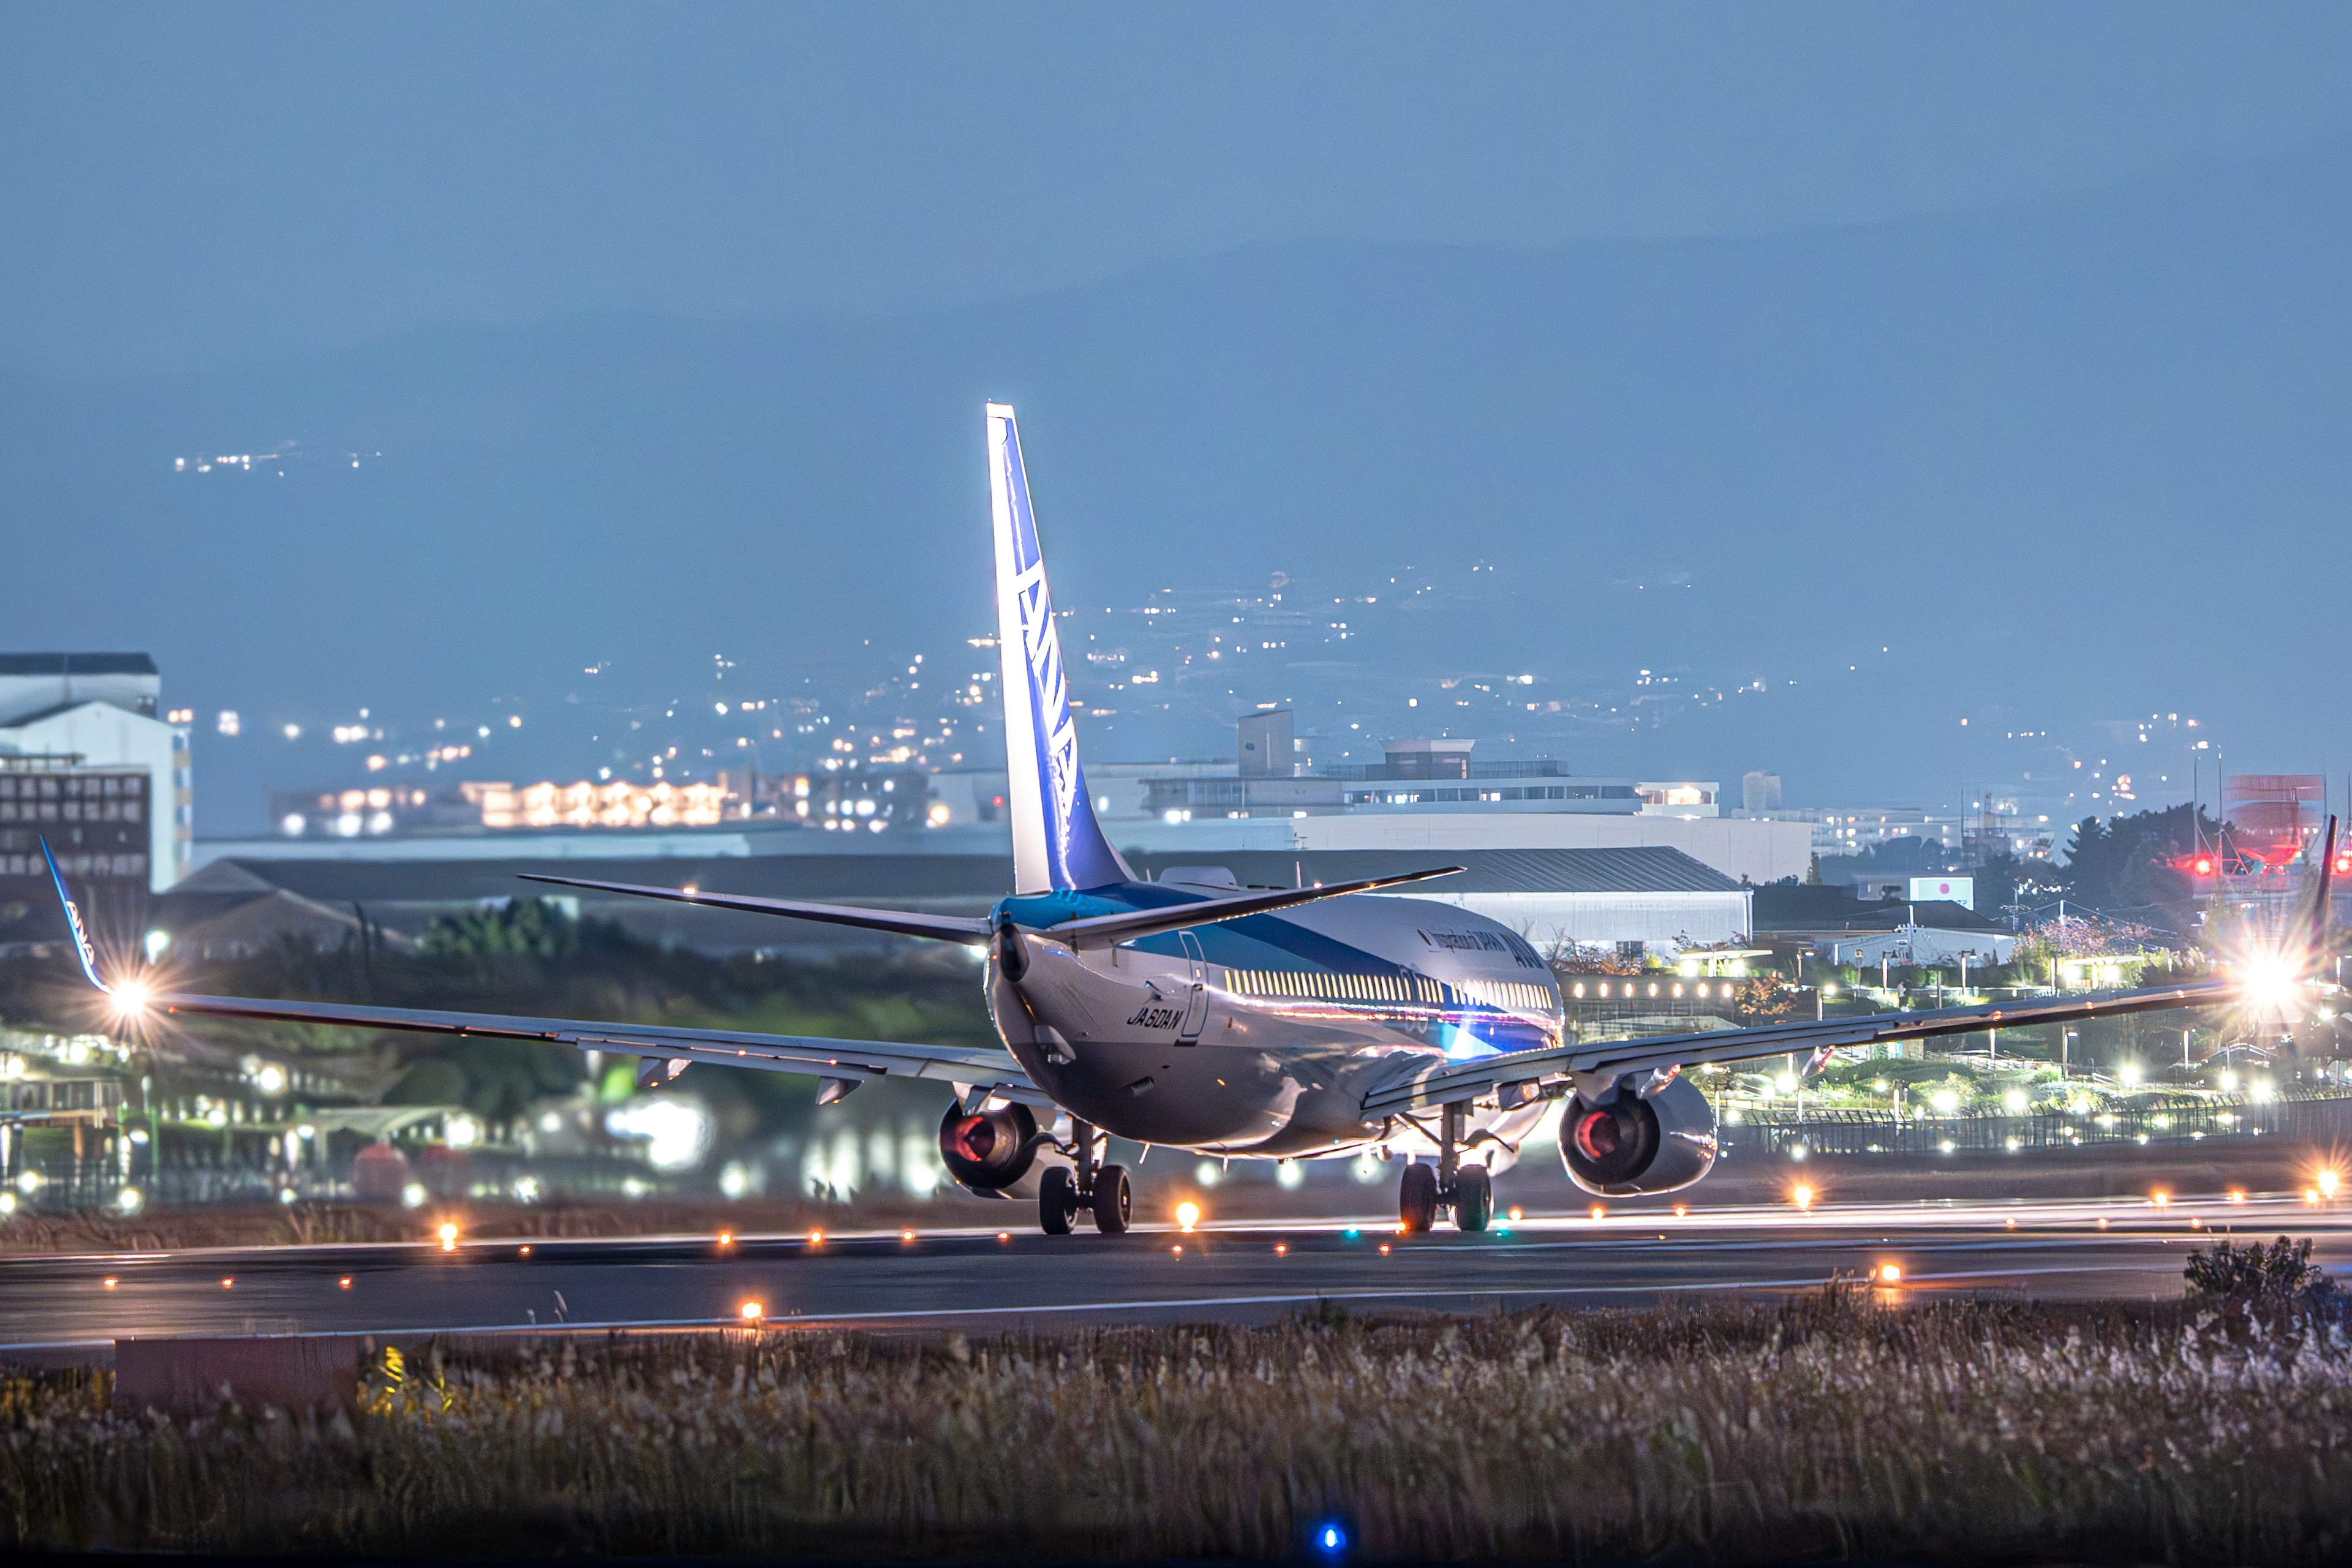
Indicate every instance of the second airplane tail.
{"type": "Point", "coordinates": [1057, 842]}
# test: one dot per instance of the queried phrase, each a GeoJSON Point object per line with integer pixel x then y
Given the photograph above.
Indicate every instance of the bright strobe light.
{"type": "Point", "coordinates": [2326, 1181]}
{"type": "Point", "coordinates": [1330, 1540]}
{"type": "Point", "coordinates": [1801, 1195]}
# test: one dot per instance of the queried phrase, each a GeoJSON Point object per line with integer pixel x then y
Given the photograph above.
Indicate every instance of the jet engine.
{"type": "Point", "coordinates": [1639, 1143]}
{"type": "Point", "coordinates": [996, 1154]}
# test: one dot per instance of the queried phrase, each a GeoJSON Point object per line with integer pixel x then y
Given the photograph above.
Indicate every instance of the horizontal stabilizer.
{"type": "Point", "coordinates": [1103, 930]}
{"type": "Point", "coordinates": [969, 929]}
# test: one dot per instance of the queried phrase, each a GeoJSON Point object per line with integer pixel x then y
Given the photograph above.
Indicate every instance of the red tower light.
{"type": "Point", "coordinates": [2202, 865]}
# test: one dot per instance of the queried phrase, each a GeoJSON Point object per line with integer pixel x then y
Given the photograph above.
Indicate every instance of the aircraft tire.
{"type": "Point", "coordinates": [1474, 1198]}
{"type": "Point", "coordinates": [1057, 1201]}
{"type": "Point", "coordinates": [1417, 1197]}
{"type": "Point", "coordinates": [1113, 1200]}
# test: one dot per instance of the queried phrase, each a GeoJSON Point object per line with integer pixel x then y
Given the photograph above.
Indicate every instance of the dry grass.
{"type": "Point", "coordinates": [1828, 1427]}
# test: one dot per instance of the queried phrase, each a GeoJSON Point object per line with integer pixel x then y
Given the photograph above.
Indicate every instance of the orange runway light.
{"type": "Point", "coordinates": [1801, 1195]}
{"type": "Point", "coordinates": [906, 1235]}
{"type": "Point", "coordinates": [1005, 1236]}
{"type": "Point", "coordinates": [2009, 1223]}
{"type": "Point", "coordinates": [110, 1281]}
{"type": "Point", "coordinates": [2160, 1197]}
{"type": "Point", "coordinates": [228, 1281]}
{"type": "Point", "coordinates": [1890, 1274]}
{"type": "Point", "coordinates": [1281, 1248]}
{"type": "Point", "coordinates": [816, 1238]}
{"type": "Point", "coordinates": [2311, 1194]}
{"type": "Point", "coordinates": [1681, 1211]}
{"type": "Point", "coordinates": [345, 1283]}
{"type": "Point", "coordinates": [2326, 1183]}
{"type": "Point", "coordinates": [752, 1311]}
{"type": "Point", "coordinates": [2236, 1197]}
{"type": "Point", "coordinates": [1516, 1216]}
{"type": "Point", "coordinates": [1187, 1214]}
{"type": "Point", "coordinates": [1599, 1212]}
{"type": "Point", "coordinates": [448, 1237]}
{"type": "Point", "coordinates": [2103, 1222]}
{"type": "Point", "coordinates": [1384, 1249]}
{"type": "Point", "coordinates": [1178, 1251]}
{"type": "Point", "coordinates": [726, 1238]}
{"type": "Point", "coordinates": [525, 1252]}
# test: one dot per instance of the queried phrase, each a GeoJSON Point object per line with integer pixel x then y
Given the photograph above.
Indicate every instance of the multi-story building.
{"type": "Point", "coordinates": [92, 764]}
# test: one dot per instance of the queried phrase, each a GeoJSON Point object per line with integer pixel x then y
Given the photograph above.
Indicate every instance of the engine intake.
{"type": "Point", "coordinates": [1632, 1145]}
{"type": "Point", "coordinates": [996, 1154]}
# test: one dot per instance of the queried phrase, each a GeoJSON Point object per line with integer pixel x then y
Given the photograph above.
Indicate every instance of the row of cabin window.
{"type": "Point", "coordinates": [1325, 986]}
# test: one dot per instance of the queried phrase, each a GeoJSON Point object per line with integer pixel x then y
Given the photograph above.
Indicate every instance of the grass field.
{"type": "Point", "coordinates": [1832, 1425]}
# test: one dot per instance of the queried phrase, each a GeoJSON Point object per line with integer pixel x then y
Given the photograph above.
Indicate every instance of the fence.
{"type": "Point", "coordinates": [2149, 1119]}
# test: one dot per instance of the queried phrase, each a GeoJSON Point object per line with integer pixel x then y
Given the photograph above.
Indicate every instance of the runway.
{"type": "Point", "coordinates": [981, 1280]}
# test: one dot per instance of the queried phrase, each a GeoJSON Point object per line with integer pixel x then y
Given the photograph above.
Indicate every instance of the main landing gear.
{"type": "Point", "coordinates": [1467, 1190]}
{"type": "Point", "coordinates": [1086, 1187]}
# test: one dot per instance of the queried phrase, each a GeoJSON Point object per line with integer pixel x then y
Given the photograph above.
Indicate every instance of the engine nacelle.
{"type": "Point", "coordinates": [996, 1154]}
{"type": "Point", "coordinates": [1634, 1144]}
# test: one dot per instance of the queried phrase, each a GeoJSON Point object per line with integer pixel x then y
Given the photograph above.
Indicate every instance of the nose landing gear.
{"type": "Point", "coordinates": [1467, 1190]}
{"type": "Point", "coordinates": [1086, 1187]}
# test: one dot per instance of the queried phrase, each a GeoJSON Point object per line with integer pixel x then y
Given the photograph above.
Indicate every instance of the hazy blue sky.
{"type": "Point", "coordinates": [1975, 377]}
{"type": "Point", "coordinates": [186, 185]}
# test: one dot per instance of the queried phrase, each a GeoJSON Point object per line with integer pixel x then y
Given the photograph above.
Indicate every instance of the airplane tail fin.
{"type": "Point", "coordinates": [1057, 842]}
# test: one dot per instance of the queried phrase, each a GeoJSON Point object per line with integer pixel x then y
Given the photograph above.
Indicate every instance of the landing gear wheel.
{"type": "Point", "coordinates": [1417, 1197]}
{"type": "Point", "coordinates": [1057, 1201]}
{"type": "Point", "coordinates": [1112, 1200]}
{"type": "Point", "coordinates": [1474, 1198]}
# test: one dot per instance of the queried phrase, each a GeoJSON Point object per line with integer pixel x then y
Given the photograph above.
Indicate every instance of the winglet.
{"type": "Point", "coordinates": [82, 949]}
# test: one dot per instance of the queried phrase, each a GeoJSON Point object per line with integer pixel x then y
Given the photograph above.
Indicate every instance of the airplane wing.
{"type": "Point", "coordinates": [1106, 930]}
{"type": "Point", "coordinates": [844, 1064]}
{"type": "Point", "coordinates": [1094, 931]}
{"type": "Point", "coordinates": [1549, 1071]}
{"type": "Point", "coordinates": [967, 929]}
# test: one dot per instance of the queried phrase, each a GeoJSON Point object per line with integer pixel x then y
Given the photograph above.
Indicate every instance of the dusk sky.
{"type": "Point", "coordinates": [2017, 331]}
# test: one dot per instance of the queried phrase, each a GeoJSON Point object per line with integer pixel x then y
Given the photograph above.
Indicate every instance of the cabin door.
{"type": "Point", "coordinates": [1196, 991]}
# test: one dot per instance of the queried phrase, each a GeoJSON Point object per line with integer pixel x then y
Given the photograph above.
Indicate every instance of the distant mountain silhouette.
{"type": "Point", "coordinates": [2071, 462]}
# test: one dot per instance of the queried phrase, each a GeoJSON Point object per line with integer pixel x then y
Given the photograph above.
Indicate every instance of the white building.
{"type": "Point", "coordinates": [60, 712]}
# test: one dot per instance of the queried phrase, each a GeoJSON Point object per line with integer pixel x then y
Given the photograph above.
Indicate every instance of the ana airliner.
{"type": "Point", "coordinates": [1271, 1024]}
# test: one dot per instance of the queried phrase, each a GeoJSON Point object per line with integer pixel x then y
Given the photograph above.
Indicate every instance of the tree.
{"type": "Point", "coordinates": [2136, 864]}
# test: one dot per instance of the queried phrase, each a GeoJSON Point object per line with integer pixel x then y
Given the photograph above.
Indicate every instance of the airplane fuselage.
{"type": "Point", "coordinates": [1259, 1037]}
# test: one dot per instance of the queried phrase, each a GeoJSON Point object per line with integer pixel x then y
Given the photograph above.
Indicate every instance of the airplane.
{"type": "Point", "coordinates": [1249, 1022]}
